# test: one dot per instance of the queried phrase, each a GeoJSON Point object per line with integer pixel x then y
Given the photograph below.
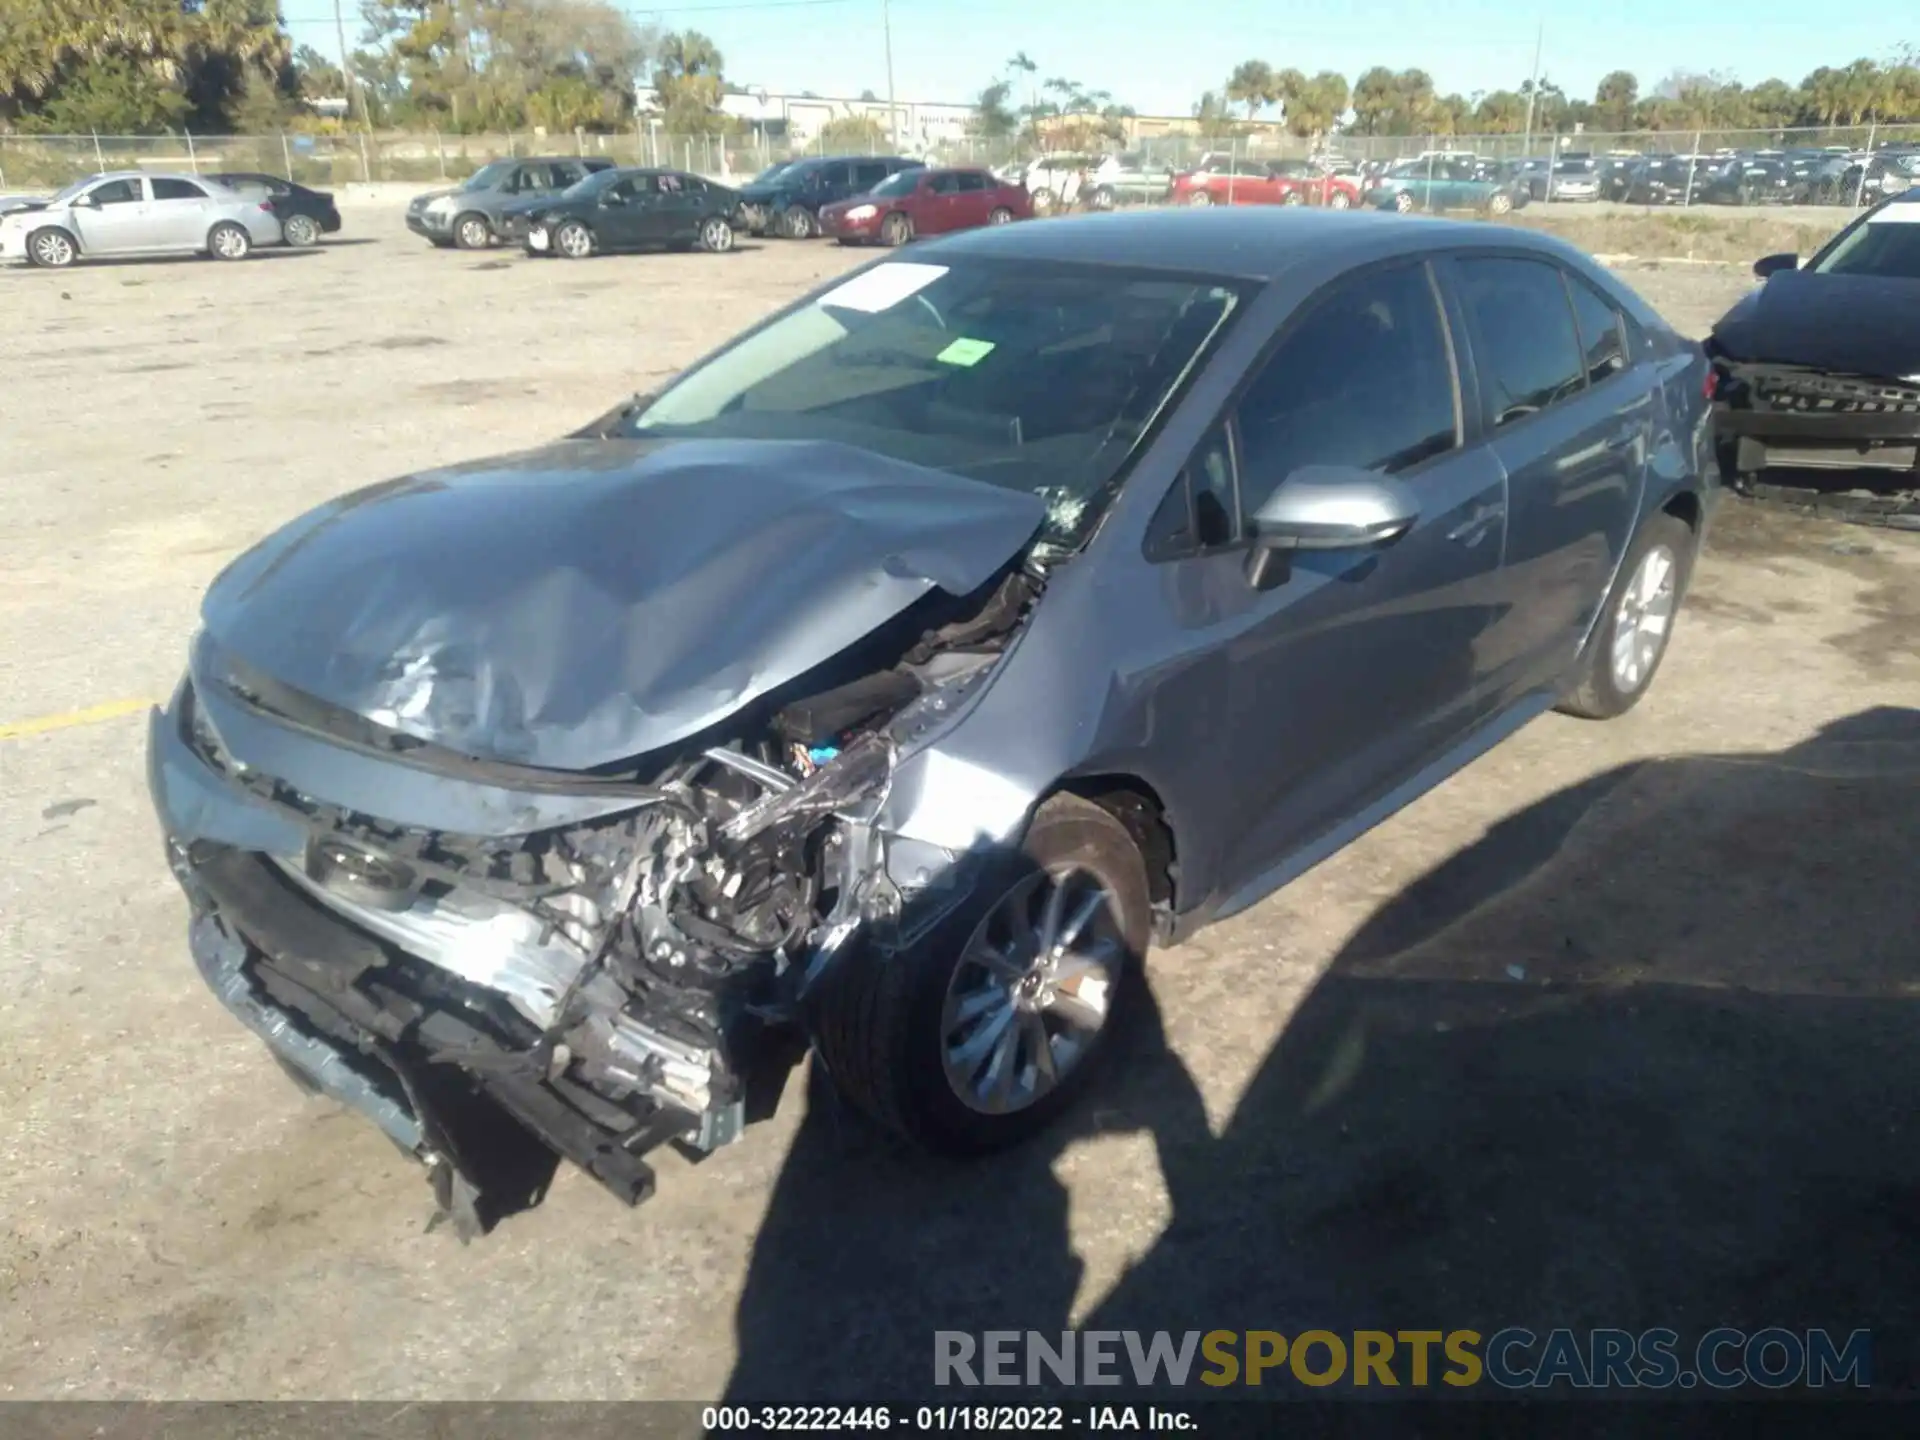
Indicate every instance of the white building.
{"type": "Point", "coordinates": [799, 119]}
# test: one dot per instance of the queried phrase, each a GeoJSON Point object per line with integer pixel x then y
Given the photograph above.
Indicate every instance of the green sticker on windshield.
{"type": "Point", "coordinates": [965, 352]}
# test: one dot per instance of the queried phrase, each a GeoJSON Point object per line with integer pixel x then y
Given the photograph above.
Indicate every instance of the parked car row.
{"type": "Point", "coordinates": [136, 212]}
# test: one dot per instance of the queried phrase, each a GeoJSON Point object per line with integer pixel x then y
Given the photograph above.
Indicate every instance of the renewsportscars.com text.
{"type": "Point", "coordinates": [1514, 1358]}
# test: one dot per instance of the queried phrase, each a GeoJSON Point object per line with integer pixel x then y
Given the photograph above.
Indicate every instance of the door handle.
{"type": "Point", "coordinates": [1472, 530]}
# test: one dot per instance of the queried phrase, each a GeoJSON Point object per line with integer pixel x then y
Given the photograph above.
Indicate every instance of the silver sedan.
{"type": "Point", "coordinates": [136, 213]}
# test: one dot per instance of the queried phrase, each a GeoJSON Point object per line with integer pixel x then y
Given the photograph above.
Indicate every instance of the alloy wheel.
{"type": "Point", "coordinates": [1001, 216]}
{"type": "Point", "coordinates": [471, 233]}
{"type": "Point", "coordinates": [1032, 991]}
{"type": "Point", "coordinates": [229, 242]}
{"type": "Point", "coordinates": [716, 236]}
{"type": "Point", "coordinates": [1644, 619]}
{"type": "Point", "coordinates": [573, 240]}
{"type": "Point", "coordinates": [1200, 197]}
{"type": "Point", "coordinates": [300, 230]}
{"type": "Point", "coordinates": [52, 249]}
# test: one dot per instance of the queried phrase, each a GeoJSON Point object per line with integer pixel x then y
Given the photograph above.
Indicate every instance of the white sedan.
{"type": "Point", "coordinates": [131, 212]}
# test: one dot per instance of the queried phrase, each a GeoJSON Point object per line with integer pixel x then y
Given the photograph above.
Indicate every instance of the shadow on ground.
{"type": "Point", "coordinates": [1645, 1055]}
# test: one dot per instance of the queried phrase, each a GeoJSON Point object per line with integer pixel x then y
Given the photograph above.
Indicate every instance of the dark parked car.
{"type": "Point", "coordinates": [787, 202]}
{"type": "Point", "coordinates": [1847, 180]}
{"type": "Point", "coordinates": [1753, 180]}
{"type": "Point", "coordinates": [864, 684]}
{"type": "Point", "coordinates": [305, 215]}
{"type": "Point", "coordinates": [630, 210]}
{"type": "Point", "coordinates": [1818, 371]}
{"type": "Point", "coordinates": [488, 205]}
{"type": "Point", "coordinates": [922, 202]}
{"type": "Point", "coordinates": [1667, 182]}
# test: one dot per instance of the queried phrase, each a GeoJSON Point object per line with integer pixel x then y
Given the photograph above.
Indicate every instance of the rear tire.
{"type": "Point", "coordinates": [300, 231]}
{"type": "Point", "coordinates": [1042, 201]}
{"type": "Point", "coordinates": [228, 241]}
{"type": "Point", "coordinates": [716, 235]}
{"type": "Point", "coordinates": [1403, 202]}
{"type": "Point", "coordinates": [896, 230]}
{"type": "Point", "coordinates": [797, 224]}
{"type": "Point", "coordinates": [1102, 199]}
{"type": "Point", "coordinates": [1200, 199]}
{"type": "Point", "coordinates": [884, 1026]}
{"type": "Point", "coordinates": [471, 231]}
{"type": "Point", "coordinates": [1499, 203]}
{"type": "Point", "coordinates": [1338, 200]}
{"type": "Point", "coordinates": [1000, 216]}
{"type": "Point", "coordinates": [1607, 687]}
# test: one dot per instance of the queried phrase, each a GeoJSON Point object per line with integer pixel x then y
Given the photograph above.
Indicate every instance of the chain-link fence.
{"type": "Point", "coordinates": [1850, 161]}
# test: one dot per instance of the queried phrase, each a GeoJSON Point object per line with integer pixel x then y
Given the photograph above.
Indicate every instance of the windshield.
{"type": "Point", "coordinates": [772, 172]}
{"type": "Point", "coordinates": [1887, 248]}
{"type": "Point", "coordinates": [901, 182]}
{"type": "Point", "coordinates": [592, 185]}
{"type": "Point", "coordinates": [72, 190]}
{"type": "Point", "coordinates": [1031, 376]}
{"type": "Point", "coordinates": [488, 175]}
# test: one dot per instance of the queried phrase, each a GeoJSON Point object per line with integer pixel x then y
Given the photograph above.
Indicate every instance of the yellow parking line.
{"type": "Point", "coordinates": [92, 715]}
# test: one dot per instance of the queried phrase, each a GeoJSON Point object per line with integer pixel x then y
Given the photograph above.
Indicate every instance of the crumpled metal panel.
{"type": "Point", "coordinates": [595, 600]}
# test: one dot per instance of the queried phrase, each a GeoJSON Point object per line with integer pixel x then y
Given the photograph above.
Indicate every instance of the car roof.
{"type": "Point", "coordinates": [1251, 242]}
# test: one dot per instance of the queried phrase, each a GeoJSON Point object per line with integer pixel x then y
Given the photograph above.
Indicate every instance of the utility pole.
{"type": "Point", "coordinates": [893, 115]}
{"type": "Point", "coordinates": [1533, 87]}
{"type": "Point", "coordinates": [346, 68]}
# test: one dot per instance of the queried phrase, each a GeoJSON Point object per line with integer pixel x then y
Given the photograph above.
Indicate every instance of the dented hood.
{"type": "Point", "coordinates": [594, 600]}
{"type": "Point", "coordinates": [1856, 324]}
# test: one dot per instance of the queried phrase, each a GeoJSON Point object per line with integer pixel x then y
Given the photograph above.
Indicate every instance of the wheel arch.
{"type": "Point", "coordinates": [1137, 805]}
{"type": "Point", "coordinates": [73, 236]}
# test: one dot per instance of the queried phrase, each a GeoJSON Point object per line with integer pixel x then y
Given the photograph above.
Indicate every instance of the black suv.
{"type": "Point", "coordinates": [786, 199]}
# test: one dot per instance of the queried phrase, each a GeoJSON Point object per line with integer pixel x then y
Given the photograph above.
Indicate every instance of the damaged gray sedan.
{"type": "Point", "coordinates": [889, 681]}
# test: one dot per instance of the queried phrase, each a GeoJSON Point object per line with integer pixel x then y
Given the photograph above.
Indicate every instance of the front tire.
{"type": "Point", "coordinates": [1200, 198]}
{"type": "Point", "coordinates": [797, 224]}
{"type": "Point", "coordinates": [52, 249]}
{"type": "Point", "coordinates": [573, 240]}
{"type": "Point", "coordinates": [300, 231]}
{"type": "Point", "coordinates": [1403, 202]}
{"type": "Point", "coordinates": [1630, 639]}
{"type": "Point", "coordinates": [896, 230]}
{"type": "Point", "coordinates": [1339, 200]}
{"type": "Point", "coordinates": [986, 1031]}
{"type": "Point", "coordinates": [1499, 203]}
{"type": "Point", "coordinates": [1042, 201]}
{"type": "Point", "coordinates": [471, 232]}
{"type": "Point", "coordinates": [1102, 199]}
{"type": "Point", "coordinates": [228, 241]}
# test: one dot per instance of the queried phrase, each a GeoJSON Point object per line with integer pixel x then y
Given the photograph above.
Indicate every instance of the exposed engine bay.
{"type": "Point", "coordinates": [612, 983]}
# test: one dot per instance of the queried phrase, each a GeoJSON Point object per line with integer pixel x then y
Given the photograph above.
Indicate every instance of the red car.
{"type": "Point", "coordinates": [924, 202]}
{"type": "Point", "coordinates": [1263, 182]}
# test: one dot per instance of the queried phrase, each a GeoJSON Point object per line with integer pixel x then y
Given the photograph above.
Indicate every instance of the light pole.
{"type": "Point", "coordinates": [893, 115]}
{"type": "Point", "coordinates": [346, 68]}
{"type": "Point", "coordinates": [1533, 87]}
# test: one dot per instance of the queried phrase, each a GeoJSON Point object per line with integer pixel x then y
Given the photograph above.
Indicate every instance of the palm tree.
{"type": "Point", "coordinates": [1252, 84]}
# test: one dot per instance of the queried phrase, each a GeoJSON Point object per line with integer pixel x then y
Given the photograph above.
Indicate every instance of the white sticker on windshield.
{"type": "Point", "coordinates": [1905, 213]}
{"type": "Point", "coordinates": [882, 287]}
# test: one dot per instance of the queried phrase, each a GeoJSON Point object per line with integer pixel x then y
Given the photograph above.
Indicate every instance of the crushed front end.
{"type": "Point", "coordinates": [498, 963]}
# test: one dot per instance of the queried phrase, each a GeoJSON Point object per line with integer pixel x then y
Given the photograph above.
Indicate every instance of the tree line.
{"type": "Point", "coordinates": [1406, 102]}
{"type": "Point", "coordinates": [213, 66]}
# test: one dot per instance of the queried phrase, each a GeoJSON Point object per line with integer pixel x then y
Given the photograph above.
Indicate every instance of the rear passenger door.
{"type": "Point", "coordinates": [938, 209]}
{"type": "Point", "coordinates": [1570, 418]}
{"type": "Point", "coordinates": [974, 200]}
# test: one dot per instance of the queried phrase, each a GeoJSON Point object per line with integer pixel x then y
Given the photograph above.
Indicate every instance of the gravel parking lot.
{"type": "Point", "coordinates": [1614, 1028]}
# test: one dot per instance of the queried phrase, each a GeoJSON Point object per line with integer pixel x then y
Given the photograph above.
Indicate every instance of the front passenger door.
{"type": "Point", "coordinates": [1362, 665]}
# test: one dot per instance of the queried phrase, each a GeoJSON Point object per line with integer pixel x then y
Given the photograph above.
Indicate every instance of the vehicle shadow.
{"type": "Point", "coordinates": [145, 262]}
{"type": "Point", "coordinates": [1641, 1056]}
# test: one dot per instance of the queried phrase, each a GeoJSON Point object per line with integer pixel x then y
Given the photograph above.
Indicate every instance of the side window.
{"type": "Point", "coordinates": [836, 176]}
{"type": "Point", "coordinates": [117, 192]}
{"type": "Point", "coordinates": [1198, 513]}
{"type": "Point", "coordinates": [1600, 329]}
{"type": "Point", "coordinates": [1364, 378]}
{"type": "Point", "coordinates": [972, 180]}
{"type": "Point", "coordinates": [869, 173]}
{"type": "Point", "coordinates": [564, 173]}
{"type": "Point", "coordinates": [165, 188]}
{"type": "Point", "coordinates": [945, 185]}
{"type": "Point", "coordinates": [1525, 346]}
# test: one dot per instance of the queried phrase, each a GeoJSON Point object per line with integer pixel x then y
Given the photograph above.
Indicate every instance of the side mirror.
{"type": "Point", "coordinates": [1326, 507]}
{"type": "Point", "coordinates": [1773, 264]}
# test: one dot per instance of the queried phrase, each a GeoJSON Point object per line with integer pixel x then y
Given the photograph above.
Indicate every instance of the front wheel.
{"type": "Point", "coordinates": [53, 249]}
{"type": "Point", "coordinates": [716, 235]}
{"type": "Point", "coordinates": [471, 232]}
{"type": "Point", "coordinates": [1042, 200]}
{"type": "Point", "coordinates": [1403, 202]}
{"type": "Point", "coordinates": [1499, 203]}
{"type": "Point", "coordinates": [1102, 199]}
{"type": "Point", "coordinates": [1200, 199]}
{"type": "Point", "coordinates": [227, 241]}
{"type": "Point", "coordinates": [573, 240]}
{"type": "Point", "coordinates": [300, 231]}
{"type": "Point", "coordinates": [1339, 200]}
{"type": "Point", "coordinates": [1630, 638]}
{"type": "Point", "coordinates": [991, 1027]}
{"type": "Point", "coordinates": [1293, 197]}
{"type": "Point", "coordinates": [796, 224]}
{"type": "Point", "coordinates": [896, 230]}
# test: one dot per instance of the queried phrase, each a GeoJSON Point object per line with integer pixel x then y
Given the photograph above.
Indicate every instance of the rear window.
{"type": "Point", "coordinates": [165, 188]}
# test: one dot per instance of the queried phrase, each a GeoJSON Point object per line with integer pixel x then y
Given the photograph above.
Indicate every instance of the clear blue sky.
{"type": "Point", "coordinates": [1158, 58]}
